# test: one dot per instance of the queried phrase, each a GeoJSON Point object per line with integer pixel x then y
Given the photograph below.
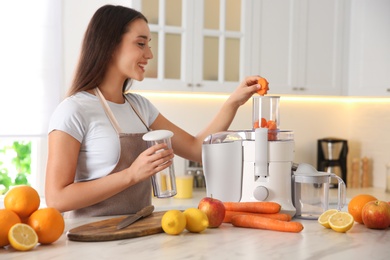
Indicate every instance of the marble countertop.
{"type": "Point", "coordinates": [225, 242]}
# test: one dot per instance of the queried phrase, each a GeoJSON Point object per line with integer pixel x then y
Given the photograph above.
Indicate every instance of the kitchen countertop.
{"type": "Point", "coordinates": [225, 242]}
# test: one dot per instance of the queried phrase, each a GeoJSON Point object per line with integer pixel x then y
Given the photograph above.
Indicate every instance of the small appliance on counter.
{"type": "Point", "coordinates": [252, 165]}
{"type": "Point", "coordinates": [332, 157]}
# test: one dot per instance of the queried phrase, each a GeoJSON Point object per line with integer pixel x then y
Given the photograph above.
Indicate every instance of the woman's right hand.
{"type": "Point", "coordinates": [245, 90]}
{"type": "Point", "coordinates": [149, 162]}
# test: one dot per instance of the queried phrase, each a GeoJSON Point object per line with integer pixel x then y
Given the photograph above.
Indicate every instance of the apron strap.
{"type": "Point", "coordinates": [111, 116]}
{"type": "Point", "coordinates": [108, 111]}
{"type": "Point", "coordinates": [137, 112]}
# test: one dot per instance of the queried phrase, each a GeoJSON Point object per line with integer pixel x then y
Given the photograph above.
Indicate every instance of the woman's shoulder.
{"type": "Point", "coordinates": [79, 100]}
{"type": "Point", "coordinates": [148, 111]}
{"type": "Point", "coordinates": [77, 105]}
{"type": "Point", "coordinates": [75, 113]}
{"type": "Point", "coordinates": [138, 99]}
{"type": "Point", "coordinates": [135, 96]}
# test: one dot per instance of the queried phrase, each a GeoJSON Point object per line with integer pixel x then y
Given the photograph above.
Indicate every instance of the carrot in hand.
{"type": "Point", "coordinates": [268, 207]}
{"type": "Point", "coordinates": [279, 216]}
{"type": "Point", "coordinates": [263, 86]}
{"type": "Point", "coordinates": [250, 221]}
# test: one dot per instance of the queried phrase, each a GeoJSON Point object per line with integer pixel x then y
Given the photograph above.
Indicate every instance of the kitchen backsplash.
{"type": "Point", "coordinates": [365, 123]}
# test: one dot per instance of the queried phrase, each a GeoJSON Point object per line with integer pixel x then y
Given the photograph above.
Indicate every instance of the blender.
{"type": "Point", "coordinates": [252, 165]}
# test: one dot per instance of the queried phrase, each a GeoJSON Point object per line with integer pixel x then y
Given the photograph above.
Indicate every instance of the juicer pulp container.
{"type": "Point", "coordinates": [222, 159]}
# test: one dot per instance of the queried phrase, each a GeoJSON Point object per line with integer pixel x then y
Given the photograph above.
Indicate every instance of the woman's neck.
{"type": "Point", "coordinates": [112, 94]}
{"type": "Point", "coordinates": [111, 86]}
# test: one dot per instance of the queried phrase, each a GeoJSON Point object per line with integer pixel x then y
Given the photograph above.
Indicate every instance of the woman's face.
{"type": "Point", "coordinates": [133, 53]}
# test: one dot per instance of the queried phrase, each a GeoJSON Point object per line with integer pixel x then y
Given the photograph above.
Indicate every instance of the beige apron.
{"type": "Point", "coordinates": [133, 198]}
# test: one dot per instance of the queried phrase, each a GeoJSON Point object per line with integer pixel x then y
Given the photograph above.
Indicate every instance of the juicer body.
{"type": "Point", "coordinates": [276, 185]}
{"type": "Point", "coordinates": [244, 166]}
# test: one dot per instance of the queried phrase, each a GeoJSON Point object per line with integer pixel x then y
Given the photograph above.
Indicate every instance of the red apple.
{"type": "Point", "coordinates": [376, 214]}
{"type": "Point", "coordinates": [214, 209]}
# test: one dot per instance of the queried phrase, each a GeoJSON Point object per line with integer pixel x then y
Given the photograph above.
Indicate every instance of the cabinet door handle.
{"type": "Point", "coordinates": [190, 85]}
{"type": "Point", "coordinates": [299, 88]}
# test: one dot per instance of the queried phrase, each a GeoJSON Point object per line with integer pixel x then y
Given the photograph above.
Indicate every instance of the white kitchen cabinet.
{"type": "Point", "coordinates": [298, 45]}
{"type": "Point", "coordinates": [369, 72]}
{"type": "Point", "coordinates": [201, 46]}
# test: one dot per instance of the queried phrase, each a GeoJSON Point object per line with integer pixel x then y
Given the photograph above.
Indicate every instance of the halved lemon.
{"type": "Point", "coordinates": [22, 237]}
{"type": "Point", "coordinates": [341, 221]}
{"type": "Point", "coordinates": [324, 218]}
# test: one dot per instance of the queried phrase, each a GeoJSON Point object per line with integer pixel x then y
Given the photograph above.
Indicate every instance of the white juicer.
{"type": "Point", "coordinates": [252, 165]}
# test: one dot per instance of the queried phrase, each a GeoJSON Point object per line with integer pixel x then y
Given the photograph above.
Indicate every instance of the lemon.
{"type": "Point", "coordinates": [173, 222]}
{"type": "Point", "coordinates": [197, 220]}
{"type": "Point", "coordinates": [22, 237]}
{"type": "Point", "coordinates": [324, 218]}
{"type": "Point", "coordinates": [341, 221]}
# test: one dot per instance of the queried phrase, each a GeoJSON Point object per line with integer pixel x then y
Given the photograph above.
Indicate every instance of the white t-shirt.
{"type": "Point", "coordinates": [83, 117]}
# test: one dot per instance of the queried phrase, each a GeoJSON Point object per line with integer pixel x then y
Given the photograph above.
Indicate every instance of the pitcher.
{"type": "Point", "coordinates": [311, 191]}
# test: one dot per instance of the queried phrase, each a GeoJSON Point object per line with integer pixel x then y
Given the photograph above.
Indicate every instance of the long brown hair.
{"type": "Point", "coordinates": [103, 35]}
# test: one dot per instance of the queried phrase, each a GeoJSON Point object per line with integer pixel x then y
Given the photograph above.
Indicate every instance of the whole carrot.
{"type": "Point", "coordinates": [279, 216]}
{"type": "Point", "coordinates": [250, 221]}
{"type": "Point", "coordinates": [254, 207]}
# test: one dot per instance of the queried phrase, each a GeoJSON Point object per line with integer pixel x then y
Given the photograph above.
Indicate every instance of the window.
{"type": "Point", "coordinates": [31, 75]}
{"type": "Point", "coordinates": [15, 163]}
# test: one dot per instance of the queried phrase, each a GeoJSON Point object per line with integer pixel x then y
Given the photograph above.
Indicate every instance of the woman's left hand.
{"type": "Point", "coordinates": [245, 90]}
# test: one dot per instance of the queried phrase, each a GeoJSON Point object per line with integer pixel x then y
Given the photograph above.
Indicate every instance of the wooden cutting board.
{"type": "Point", "coordinates": [105, 230]}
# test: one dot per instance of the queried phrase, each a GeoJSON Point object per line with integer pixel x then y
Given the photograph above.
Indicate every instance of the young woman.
{"type": "Point", "coordinates": [98, 163]}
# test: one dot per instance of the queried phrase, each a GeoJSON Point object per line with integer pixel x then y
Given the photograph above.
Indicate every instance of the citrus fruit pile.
{"type": "Point", "coordinates": [194, 220]}
{"type": "Point", "coordinates": [364, 209]}
{"type": "Point", "coordinates": [23, 224]}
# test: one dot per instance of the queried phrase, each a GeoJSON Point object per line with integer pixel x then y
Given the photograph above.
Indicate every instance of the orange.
{"type": "Point", "coordinates": [23, 200]}
{"type": "Point", "coordinates": [48, 223]}
{"type": "Point", "coordinates": [356, 205]}
{"type": "Point", "coordinates": [8, 218]}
